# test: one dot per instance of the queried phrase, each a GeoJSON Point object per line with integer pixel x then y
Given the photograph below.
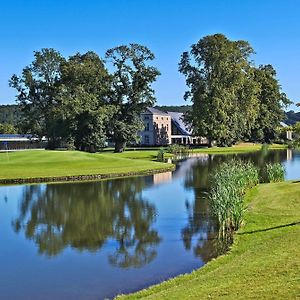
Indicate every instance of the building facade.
{"type": "Point", "coordinates": [163, 129]}
{"type": "Point", "coordinates": [157, 128]}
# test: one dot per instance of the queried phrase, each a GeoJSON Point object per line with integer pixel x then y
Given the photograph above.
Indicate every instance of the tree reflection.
{"type": "Point", "coordinates": [85, 216]}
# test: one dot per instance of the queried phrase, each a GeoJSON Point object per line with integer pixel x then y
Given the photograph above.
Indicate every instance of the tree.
{"type": "Point", "coordinates": [131, 91]}
{"type": "Point", "coordinates": [271, 104]}
{"type": "Point", "coordinates": [7, 129]}
{"type": "Point", "coordinates": [219, 75]}
{"type": "Point", "coordinates": [296, 128]}
{"type": "Point", "coordinates": [84, 94]}
{"type": "Point", "coordinates": [37, 93]}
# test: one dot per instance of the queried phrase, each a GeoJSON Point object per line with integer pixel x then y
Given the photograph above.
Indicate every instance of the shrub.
{"type": "Point", "coordinates": [160, 154]}
{"type": "Point", "coordinates": [275, 172]}
{"type": "Point", "coordinates": [230, 182]}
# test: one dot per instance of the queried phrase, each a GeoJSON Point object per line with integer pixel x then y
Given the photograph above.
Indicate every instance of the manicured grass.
{"type": "Point", "coordinates": [264, 262]}
{"type": "Point", "coordinates": [32, 164]}
{"type": "Point", "coordinates": [241, 148]}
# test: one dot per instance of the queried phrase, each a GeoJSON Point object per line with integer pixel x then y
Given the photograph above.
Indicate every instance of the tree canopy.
{"type": "Point", "coordinates": [228, 92]}
{"type": "Point", "coordinates": [77, 102]}
{"type": "Point", "coordinates": [131, 91]}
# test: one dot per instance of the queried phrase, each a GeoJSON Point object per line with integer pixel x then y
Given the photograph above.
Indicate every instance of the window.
{"type": "Point", "coordinates": [156, 118]}
{"type": "Point", "coordinates": [167, 127]}
{"type": "Point", "coordinates": [147, 126]}
{"type": "Point", "coordinates": [146, 139]}
{"type": "Point", "coordinates": [146, 117]}
{"type": "Point", "coordinates": [162, 118]}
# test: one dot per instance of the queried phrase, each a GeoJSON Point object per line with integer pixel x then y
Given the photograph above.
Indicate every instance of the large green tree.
{"type": "Point", "coordinates": [219, 75]}
{"type": "Point", "coordinates": [37, 93]}
{"type": "Point", "coordinates": [131, 91]}
{"type": "Point", "coordinates": [84, 94]}
{"type": "Point", "coordinates": [271, 103]}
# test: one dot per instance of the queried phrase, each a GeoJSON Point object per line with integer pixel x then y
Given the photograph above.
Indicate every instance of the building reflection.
{"type": "Point", "coordinates": [159, 178]}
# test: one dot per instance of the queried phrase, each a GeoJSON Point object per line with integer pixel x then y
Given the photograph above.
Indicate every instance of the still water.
{"type": "Point", "coordinates": [94, 240]}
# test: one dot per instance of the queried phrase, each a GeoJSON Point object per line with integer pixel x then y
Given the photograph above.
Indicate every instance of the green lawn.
{"type": "Point", "coordinates": [31, 164]}
{"type": "Point", "coordinates": [246, 147]}
{"type": "Point", "coordinates": [264, 262]}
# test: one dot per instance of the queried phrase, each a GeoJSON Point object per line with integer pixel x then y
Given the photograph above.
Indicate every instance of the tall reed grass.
{"type": "Point", "coordinates": [275, 172]}
{"type": "Point", "coordinates": [230, 181]}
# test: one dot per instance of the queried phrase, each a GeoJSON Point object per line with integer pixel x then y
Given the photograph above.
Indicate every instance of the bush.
{"type": "Point", "coordinates": [160, 154]}
{"type": "Point", "coordinates": [275, 172]}
{"type": "Point", "coordinates": [230, 182]}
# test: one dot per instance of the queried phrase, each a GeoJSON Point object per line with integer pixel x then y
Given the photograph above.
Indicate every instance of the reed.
{"type": "Point", "coordinates": [229, 183]}
{"type": "Point", "coordinates": [275, 172]}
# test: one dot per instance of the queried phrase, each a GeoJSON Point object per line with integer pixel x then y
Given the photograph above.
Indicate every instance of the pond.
{"type": "Point", "coordinates": [94, 240]}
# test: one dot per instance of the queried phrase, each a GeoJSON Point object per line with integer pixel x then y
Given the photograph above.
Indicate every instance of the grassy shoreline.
{"type": "Point", "coordinates": [47, 166]}
{"type": "Point", "coordinates": [241, 148]}
{"type": "Point", "coordinates": [264, 262]}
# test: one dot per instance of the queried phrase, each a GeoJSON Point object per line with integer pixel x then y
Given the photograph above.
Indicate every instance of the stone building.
{"type": "Point", "coordinates": [163, 128]}
{"type": "Point", "coordinates": [157, 130]}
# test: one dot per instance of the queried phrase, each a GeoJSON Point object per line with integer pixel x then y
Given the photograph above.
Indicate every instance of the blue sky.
{"type": "Point", "coordinates": [167, 27]}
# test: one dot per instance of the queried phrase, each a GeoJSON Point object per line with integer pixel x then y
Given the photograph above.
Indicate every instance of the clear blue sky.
{"type": "Point", "coordinates": [167, 27]}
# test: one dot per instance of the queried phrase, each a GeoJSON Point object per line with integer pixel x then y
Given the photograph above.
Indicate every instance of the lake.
{"type": "Point", "coordinates": [94, 240]}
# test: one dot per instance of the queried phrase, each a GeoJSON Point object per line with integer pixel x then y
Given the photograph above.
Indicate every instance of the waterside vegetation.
{"type": "Point", "coordinates": [264, 260]}
{"type": "Point", "coordinates": [230, 181]}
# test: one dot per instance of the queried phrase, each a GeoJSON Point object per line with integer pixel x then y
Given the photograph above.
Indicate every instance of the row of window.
{"type": "Point", "coordinates": [147, 126]}
{"type": "Point", "coordinates": [148, 118]}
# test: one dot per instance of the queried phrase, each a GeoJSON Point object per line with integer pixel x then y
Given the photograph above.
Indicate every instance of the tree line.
{"type": "Point", "coordinates": [84, 100]}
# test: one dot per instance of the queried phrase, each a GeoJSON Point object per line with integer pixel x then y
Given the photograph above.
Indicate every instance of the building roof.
{"type": "Point", "coordinates": [283, 124]}
{"type": "Point", "coordinates": [177, 118]}
{"type": "Point", "coordinates": [16, 137]}
{"type": "Point", "coordinates": [155, 111]}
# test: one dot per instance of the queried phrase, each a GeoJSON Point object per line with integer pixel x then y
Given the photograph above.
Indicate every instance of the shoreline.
{"type": "Point", "coordinates": [262, 260]}
{"type": "Point", "coordinates": [82, 178]}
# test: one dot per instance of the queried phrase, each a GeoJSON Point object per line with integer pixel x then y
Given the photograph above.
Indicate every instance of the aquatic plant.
{"type": "Point", "coordinates": [275, 172]}
{"type": "Point", "coordinates": [229, 183]}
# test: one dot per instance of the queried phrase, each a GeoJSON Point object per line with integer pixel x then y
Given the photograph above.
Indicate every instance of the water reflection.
{"type": "Point", "coordinates": [116, 236]}
{"type": "Point", "coordinates": [85, 216]}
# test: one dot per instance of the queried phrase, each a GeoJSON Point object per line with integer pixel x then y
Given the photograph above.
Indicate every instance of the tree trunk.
{"type": "Point", "coordinates": [210, 143]}
{"type": "Point", "coordinates": [120, 147]}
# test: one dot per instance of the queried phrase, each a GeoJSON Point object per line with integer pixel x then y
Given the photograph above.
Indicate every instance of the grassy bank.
{"type": "Point", "coordinates": [264, 262]}
{"type": "Point", "coordinates": [49, 164]}
{"type": "Point", "coordinates": [241, 148]}
{"type": "Point", "coordinates": [46, 164]}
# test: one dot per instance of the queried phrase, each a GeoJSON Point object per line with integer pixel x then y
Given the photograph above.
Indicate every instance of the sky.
{"type": "Point", "coordinates": [166, 27]}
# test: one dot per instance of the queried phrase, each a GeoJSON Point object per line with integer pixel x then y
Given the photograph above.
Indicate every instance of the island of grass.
{"type": "Point", "coordinates": [45, 166]}
{"type": "Point", "coordinates": [42, 166]}
{"type": "Point", "coordinates": [264, 262]}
